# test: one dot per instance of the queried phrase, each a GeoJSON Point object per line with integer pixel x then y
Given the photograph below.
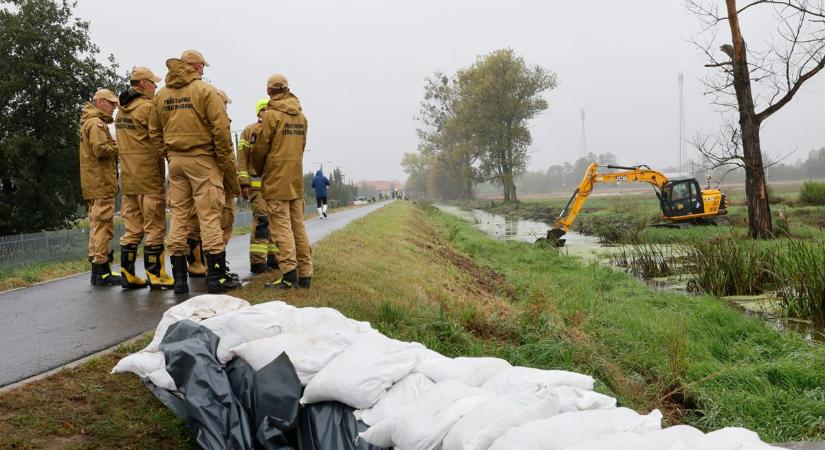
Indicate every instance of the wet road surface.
{"type": "Point", "coordinates": [51, 324]}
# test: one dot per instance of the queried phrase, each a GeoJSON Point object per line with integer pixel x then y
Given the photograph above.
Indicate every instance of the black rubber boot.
{"type": "Point", "coordinates": [154, 261]}
{"type": "Point", "coordinates": [272, 261]}
{"type": "Point", "coordinates": [304, 282]}
{"type": "Point", "coordinates": [181, 285]}
{"type": "Point", "coordinates": [196, 266]}
{"type": "Point", "coordinates": [289, 280]}
{"type": "Point", "coordinates": [128, 279]}
{"type": "Point", "coordinates": [218, 279]}
{"type": "Point", "coordinates": [103, 275]}
{"type": "Point", "coordinates": [260, 268]}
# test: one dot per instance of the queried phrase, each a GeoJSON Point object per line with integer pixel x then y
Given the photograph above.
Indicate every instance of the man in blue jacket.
{"type": "Point", "coordinates": [320, 183]}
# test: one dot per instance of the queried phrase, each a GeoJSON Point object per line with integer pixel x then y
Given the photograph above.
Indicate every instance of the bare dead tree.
{"type": "Point", "coordinates": [756, 82]}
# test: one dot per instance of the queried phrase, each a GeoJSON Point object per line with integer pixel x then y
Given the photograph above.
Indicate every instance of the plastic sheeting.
{"type": "Point", "coordinates": [236, 407]}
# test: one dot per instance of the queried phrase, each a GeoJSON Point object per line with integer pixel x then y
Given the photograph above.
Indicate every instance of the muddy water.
{"type": "Point", "coordinates": [591, 250]}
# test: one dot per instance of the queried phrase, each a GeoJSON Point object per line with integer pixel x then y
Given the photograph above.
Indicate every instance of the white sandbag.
{"type": "Point", "coordinates": [195, 309]}
{"type": "Point", "coordinates": [423, 423]}
{"type": "Point", "coordinates": [360, 375]}
{"type": "Point", "coordinates": [318, 317]}
{"type": "Point", "coordinates": [141, 363]}
{"type": "Point", "coordinates": [529, 379]}
{"type": "Point", "coordinates": [399, 395]}
{"type": "Point", "coordinates": [479, 428]}
{"type": "Point", "coordinates": [731, 438]}
{"type": "Point", "coordinates": [574, 399]}
{"type": "Point", "coordinates": [248, 324]}
{"type": "Point", "coordinates": [426, 356]}
{"type": "Point", "coordinates": [572, 428]}
{"type": "Point", "coordinates": [673, 438]}
{"type": "Point", "coordinates": [162, 379]}
{"type": "Point", "coordinates": [309, 349]}
{"type": "Point", "coordinates": [470, 371]}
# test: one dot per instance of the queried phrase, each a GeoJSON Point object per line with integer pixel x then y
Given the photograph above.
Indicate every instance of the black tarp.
{"type": "Point", "coordinates": [235, 407]}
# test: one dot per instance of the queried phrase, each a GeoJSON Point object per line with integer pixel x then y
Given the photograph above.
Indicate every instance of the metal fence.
{"type": "Point", "coordinates": [63, 245]}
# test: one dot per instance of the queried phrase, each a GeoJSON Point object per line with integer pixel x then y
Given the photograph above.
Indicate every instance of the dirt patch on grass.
{"type": "Point", "coordinates": [74, 441]}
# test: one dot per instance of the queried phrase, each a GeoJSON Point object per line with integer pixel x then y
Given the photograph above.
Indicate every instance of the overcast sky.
{"type": "Point", "coordinates": [359, 68]}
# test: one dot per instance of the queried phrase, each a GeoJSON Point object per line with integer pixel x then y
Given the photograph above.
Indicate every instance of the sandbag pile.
{"type": "Point", "coordinates": [410, 397]}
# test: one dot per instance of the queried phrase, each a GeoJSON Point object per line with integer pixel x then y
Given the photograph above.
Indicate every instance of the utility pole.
{"type": "Point", "coordinates": [680, 147]}
{"type": "Point", "coordinates": [583, 140]}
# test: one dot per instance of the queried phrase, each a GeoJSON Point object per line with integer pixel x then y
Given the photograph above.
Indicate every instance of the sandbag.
{"type": "Point", "coordinates": [140, 363]}
{"type": "Point", "coordinates": [195, 309]}
{"type": "Point", "coordinates": [572, 428]}
{"type": "Point", "coordinates": [248, 324]}
{"type": "Point", "coordinates": [309, 349]}
{"type": "Point", "coordinates": [423, 423]}
{"type": "Point", "coordinates": [479, 428]}
{"type": "Point", "coordinates": [730, 438]}
{"type": "Point", "coordinates": [470, 371]}
{"type": "Point", "coordinates": [360, 375]}
{"type": "Point", "coordinates": [529, 379]}
{"type": "Point", "coordinates": [574, 399]}
{"type": "Point", "coordinates": [399, 395]}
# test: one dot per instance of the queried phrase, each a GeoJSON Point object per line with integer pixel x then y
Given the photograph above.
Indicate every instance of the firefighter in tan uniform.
{"type": "Point", "coordinates": [277, 154]}
{"type": "Point", "coordinates": [191, 116]}
{"type": "Point", "coordinates": [98, 179]}
{"type": "Point", "coordinates": [262, 249]}
{"type": "Point", "coordinates": [142, 173]}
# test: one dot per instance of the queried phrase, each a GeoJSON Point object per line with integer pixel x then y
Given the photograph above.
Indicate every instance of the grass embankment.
{"type": "Point", "coordinates": [418, 274]}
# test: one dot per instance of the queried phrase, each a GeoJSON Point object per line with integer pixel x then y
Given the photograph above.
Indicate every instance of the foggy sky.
{"type": "Point", "coordinates": [359, 69]}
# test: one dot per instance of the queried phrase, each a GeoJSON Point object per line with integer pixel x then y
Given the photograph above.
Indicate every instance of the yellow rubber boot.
{"type": "Point", "coordinates": [195, 263]}
{"type": "Point", "coordinates": [128, 279]}
{"type": "Point", "coordinates": [154, 260]}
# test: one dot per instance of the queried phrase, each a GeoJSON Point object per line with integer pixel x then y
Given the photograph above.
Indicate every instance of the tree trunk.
{"type": "Point", "coordinates": [759, 211]}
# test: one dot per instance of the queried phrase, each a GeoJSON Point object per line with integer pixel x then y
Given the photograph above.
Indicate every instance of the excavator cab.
{"type": "Point", "coordinates": [681, 198]}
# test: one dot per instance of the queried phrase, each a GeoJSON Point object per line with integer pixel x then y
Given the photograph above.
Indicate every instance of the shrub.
{"type": "Point", "coordinates": [813, 193]}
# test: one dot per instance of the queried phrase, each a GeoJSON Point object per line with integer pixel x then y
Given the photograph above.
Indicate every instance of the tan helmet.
{"type": "Point", "coordinates": [106, 95]}
{"type": "Point", "coordinates": [143, 73]}
{"type": "Point", "coordinates": [193, 57]}
{"type": "Point", "coordinates": [277, 81]}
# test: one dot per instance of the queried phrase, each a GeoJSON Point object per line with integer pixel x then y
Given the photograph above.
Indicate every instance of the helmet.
{"type": "Point", "coordinates": [261, 104]}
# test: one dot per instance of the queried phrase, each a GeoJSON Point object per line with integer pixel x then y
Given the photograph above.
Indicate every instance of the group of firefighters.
{"type": "Point", "coordinates": [185, 124]}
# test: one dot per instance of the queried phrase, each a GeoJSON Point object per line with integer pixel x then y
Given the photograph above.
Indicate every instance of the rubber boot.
{"type": "Point", "coordinates": [218, 279]}
{"type": "Point", "coordinates": [196, 266]}
{"type": "Point", "coordinates": [304, 282]}
{"type": "Point", "coordinates": [260, 268]}
{"type": "Point", "coordinates": [232, 275]}
{"type": "Point", "coordinates": [179, 272]}
{"type": "Point", "coordinates": [321, 213]}
{"type": "Point", "coordinates": [128, 279]}
{"type": "Point", "coordinates": [93, 273]}
{"type": "Point", "coordinates": [103, 275]}
{"type": "Point", "coordinates": [154, 262]}
{"type": "Point", "coordinates": [288, 280]}
{"type": "Point", "coordinates": [272, 261]}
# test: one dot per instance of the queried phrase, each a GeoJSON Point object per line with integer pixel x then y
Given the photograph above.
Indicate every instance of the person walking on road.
{"type": "Point", "coordinates": [191, 117]}
{"type": "Point", "coordinates": [319, 184]}
{"type": "Point", "coordinates": [278, 154]}
{"type": "Point", "coordinates": [142, 175]}
{"type": "Point", "coordinates": [98, 180]}
{"type": "Point", "coordinates": [262, 249]}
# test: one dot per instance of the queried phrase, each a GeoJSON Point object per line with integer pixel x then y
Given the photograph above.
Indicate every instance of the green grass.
{"type": "Point", "coordinates": [418, 274]}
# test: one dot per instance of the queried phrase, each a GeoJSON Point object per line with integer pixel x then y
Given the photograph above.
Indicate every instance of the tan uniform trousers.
{"type": "Point", "coordinates": [195, 184]}
{"type": "Point", "coordinates": [193, 229]}
{"type": "Point", "coordinates": [286, 226]}
{"type": "Point", "coordinates": [260, 242]}
{"type": "Point", "coordinates": [101, 214]}
{"type": "Point", "coordinates": [143, 216]}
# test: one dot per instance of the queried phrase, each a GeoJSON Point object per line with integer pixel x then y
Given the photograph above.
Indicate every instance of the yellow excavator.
{"type": "Point", "coordinates": [682, 201]}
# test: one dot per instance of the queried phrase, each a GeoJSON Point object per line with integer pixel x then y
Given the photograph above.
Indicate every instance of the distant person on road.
{"type": "Point", "coordinates": [262, 248]}
{"type": "Point", "coordinates": [98, 180]}
{"type": "Point", "coordinates": [142, 176]}
{"type": "Point", "coordinates": [320, 183]}
{"type": "Point", "coordinates": [192, 119]}
{"type": "Point", "coordinates": [277, 154]}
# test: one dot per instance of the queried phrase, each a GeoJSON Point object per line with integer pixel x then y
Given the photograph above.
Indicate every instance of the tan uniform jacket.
{"type": "Point", "coordinates": [142, 169]}
{"type": "Point", "coordinates": [278, 152]}
{"type": "Point", "coordinates": [191, 117]}
{"type": "Point", "coordinates": [230, 177]}
{"type": "Point", "coordinates": [98, 154]}
{"type": "Point", "coordinates": [246, 172]}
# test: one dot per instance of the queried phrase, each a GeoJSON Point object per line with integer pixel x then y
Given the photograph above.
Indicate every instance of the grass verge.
{"type": "Point", "coordinates": [418, 274]}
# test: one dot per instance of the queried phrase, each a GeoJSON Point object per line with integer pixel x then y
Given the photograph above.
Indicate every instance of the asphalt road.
{"type": "Point", "coordinates": [45, 326]}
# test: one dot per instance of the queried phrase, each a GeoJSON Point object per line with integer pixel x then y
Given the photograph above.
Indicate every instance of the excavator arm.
{"type": "Point", "coordinates": [642, 174]}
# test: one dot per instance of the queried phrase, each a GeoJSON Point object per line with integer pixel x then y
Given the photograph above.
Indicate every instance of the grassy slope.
{"type": "Point", "coordinates": [400, 270]}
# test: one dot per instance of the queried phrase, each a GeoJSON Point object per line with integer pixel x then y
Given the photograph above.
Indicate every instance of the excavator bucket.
{"type": "Point", "coordinates": [554, 237]}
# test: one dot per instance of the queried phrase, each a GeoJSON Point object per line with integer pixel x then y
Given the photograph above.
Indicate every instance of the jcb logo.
{"type": "Point", "coordinates": [622, 178]}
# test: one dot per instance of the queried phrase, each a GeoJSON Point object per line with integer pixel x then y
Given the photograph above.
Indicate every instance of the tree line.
{"type": "Point", "coordinates": [475, 126]}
